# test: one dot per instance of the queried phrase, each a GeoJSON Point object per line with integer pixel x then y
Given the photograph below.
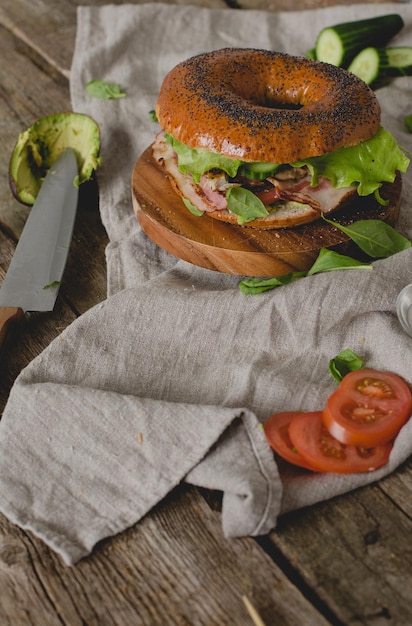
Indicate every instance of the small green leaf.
{"type": "Point", "coordinates": [55, 283]}
{"type": "Point", "coordinates": [245, 204]}
{"type": "Point", "coordinates": [326, 261]}
{"type": "Point", "coordinates": [407, 120]}
{"type": "Point", "coordinates": [329, 260]}
{"type": "Point", "coordinates": [374, 237]}
{"type": "Point", "coordinates": [104, 90]}
{"type": "Point", "coordinates": [254, 286]}
{"type": "Point", "coordinates": [345, 362]}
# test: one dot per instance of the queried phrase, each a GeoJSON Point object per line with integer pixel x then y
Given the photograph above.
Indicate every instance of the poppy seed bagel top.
{"type": "Point", "coordinates": [258, 105]}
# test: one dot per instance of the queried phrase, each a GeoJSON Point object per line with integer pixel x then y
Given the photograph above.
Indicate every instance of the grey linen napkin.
{"type": "Point", "coordinates": [171, 377]}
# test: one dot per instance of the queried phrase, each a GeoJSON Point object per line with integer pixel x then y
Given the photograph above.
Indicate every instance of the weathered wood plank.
{"type": "Point", "coordinates": [26, 94]}
{"type": "Point", "coordinates": [287, 5]}
{"type": "Point", "coordinates": [172, 568]}
{"type": "Point", "coordinates": [398, 487]}
{"type": "Point", "coordinates": [24, 101]}
{"type": "Point", "coordinates": [34, 333]}
{"type": "Point", "coordinates": [46, 31]}
{"type": "Point", "coordinates": [354, 552]}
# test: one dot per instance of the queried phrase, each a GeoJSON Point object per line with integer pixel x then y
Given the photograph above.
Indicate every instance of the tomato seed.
{"type": "Point", "coordinates": [375, 387]}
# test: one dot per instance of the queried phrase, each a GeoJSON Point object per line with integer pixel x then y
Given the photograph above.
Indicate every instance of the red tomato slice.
{"type": "Point", "coordinates": [368, 408]}
{"type": "Point", "coordinates": [310, 436]}
{"type": "Point", "coordinates": [276, 430]}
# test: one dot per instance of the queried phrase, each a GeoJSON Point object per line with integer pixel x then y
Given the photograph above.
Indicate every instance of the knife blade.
{"type": "Point", "coordinates": [33, 278]}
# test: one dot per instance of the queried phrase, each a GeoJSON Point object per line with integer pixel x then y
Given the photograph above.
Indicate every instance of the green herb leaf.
{"type": "Point", "coordinates": [153, 116]}
{"type": "Point", "coordinates": [374, 237]}
{"type": "Point", "coordinates": [253, 286]}
{"type": "Point", "coordinates": [328, 260]}
{"type": "Point", "coordinates": [407, 120]}
{"type": "Point", "coordinates": [345, 362]}
{"type": "Point", "coordinates": [104, 90]}
{"type": "Point", "coordinates": [55, 283]}
{"type": "Point", "coordinates": [245, 204]}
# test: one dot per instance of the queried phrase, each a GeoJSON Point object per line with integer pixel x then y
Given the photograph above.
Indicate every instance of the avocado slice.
{"type": "Point", "coordinates": [38, 147]}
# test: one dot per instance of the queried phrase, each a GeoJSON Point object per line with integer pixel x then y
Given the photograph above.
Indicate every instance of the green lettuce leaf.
{"type": "Point", "coordinates": [192, 208]}
{"type": "Point", "coordinates": [198, 161]}
{"type": "Point", "coordinates": [368, 164]}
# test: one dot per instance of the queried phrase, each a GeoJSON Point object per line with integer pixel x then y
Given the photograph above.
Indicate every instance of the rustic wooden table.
{"type": "Point", "coordinates": [348, 561]}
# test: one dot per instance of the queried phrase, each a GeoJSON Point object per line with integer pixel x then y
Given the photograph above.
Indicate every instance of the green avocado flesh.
{"type": "Point", "coordinates": [39, 146]}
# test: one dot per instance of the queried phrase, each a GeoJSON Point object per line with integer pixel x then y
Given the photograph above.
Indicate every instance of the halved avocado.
{"type": "Point", "coordinates": [39, 146]}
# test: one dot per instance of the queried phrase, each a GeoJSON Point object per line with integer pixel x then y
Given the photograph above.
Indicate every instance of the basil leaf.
{"type": "Point", "coordinates": [55, 283]}
{"type": "Point", "coordinates": [345, 362]}
{"type": "Point", "coordinates": [253, 286]}
{"type": "Point", "coordinates": [326, 261]}
{"type": "Point", "coordinates": [245, 204]}
{"type": "Point", "coordinates": [329, 260]}
{"type": "Point", "coordinates": [374, 237]}
{"type": "Point", "coordinates": [104, 90]}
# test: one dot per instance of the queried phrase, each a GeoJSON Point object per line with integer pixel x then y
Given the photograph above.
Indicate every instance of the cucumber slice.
{"type": "Point", "coordinates": [339, 44]}
{"type": "Point", "coordinates": [376, 66]}
{"type": "Point", "coordinates": [371, 65]}
{"type": "Point", "coordinates": [258, 170]}
{"type": "Point", "coordinates": [399, 61]}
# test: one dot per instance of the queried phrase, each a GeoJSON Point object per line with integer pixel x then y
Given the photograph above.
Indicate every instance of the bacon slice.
{"type": "Point", "coordinates": [202, 197]}
{"type": "Point", "coordinates": [323, 198]}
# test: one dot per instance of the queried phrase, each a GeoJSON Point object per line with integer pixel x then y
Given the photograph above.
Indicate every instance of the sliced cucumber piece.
{"type": "Point", "coordinates": [371, 65]}
{"type": "Point", "coordinates": [376, 66]}
{"type": "Point", "coordinates": [339, 44]}
{"type": "Point", "coordinates": [42, 143]}
{"type": "Point", "coordinates": [258, 170]}
{"type": "Point", "coordinates": [399, 60]}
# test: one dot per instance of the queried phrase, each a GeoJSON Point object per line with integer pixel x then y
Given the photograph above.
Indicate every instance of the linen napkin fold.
{"type": "Point", "coordinates": [171, 377]}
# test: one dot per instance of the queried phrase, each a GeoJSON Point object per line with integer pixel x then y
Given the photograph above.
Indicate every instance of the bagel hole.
{"type": "Point", "coordinates": [280, 104]}
{"type": "Point", "coordinates": [278, 99]}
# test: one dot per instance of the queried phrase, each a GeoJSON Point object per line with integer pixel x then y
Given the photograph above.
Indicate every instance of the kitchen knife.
{"type": "Point", "coordinates": [33, 278]}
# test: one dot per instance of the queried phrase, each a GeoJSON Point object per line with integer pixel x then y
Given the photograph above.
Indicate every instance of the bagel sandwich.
{"type": "Point", "coordinates": [268, 140]}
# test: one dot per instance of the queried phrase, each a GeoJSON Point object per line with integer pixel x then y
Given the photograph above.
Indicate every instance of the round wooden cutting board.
{"type": "Point", "coordinates": [242, 250]}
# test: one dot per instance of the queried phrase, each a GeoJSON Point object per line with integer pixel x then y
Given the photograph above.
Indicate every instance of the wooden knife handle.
{"type": "Point", "coordinates": [9, 316]}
